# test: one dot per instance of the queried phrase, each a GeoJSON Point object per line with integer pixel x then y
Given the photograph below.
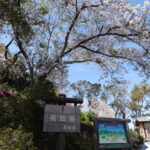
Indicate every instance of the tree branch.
{"type": "Point", "coordinates": [77, 61]}
{"type": "Point", "coordinates": [71, 27]}
{"type": "Point", "coordinates": [146, 50]}
{"type": "Point", "coordinates": [108, 33]}
{"type": "Point", "coordinates": [101, 29]}
{"type": "Point", "coordinates": [16, 57]}
{"type": "Point", "coordinates": [113, 56]}
{"type": "Point", "coordinates": [80, 45]}
{"type": "Point", "coordinates": [6, 48]}
{"type": "Point", "coordinates": [76, 5]}
{"type": "Point", "coordinates": [19, 43]}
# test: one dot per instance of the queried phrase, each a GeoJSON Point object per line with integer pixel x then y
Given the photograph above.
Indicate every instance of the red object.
{"type": "Point", "coordinates": [7, 94]}
{"type": "Point", "coordinates": [111, 124]}
{"type": "Point", "coordinates": [2, 93]}
{"type": "Point", "coordinates": [12, 95]}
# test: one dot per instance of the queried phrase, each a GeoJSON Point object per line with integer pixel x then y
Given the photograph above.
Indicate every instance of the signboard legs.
{"type": "Point", "coordinates": [61, 140]}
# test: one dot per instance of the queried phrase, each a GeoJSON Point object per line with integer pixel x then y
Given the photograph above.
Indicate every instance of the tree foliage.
{"type": "Point", "coordinates": [85, 117]}
{"type": "Point", "coordinates": [115, 93]}
{"type": "Point", "coordinates": [40, 38]}
{"type": "Point", "coordinates": [18, 139]}
{"type": "Point", "coordinates": [140, 99]}
{"type": "Point", "coordinates": [52, 34]}
{"type": "Point", "coordinates": [86, 89]}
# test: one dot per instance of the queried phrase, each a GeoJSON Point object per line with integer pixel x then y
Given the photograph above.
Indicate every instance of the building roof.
{"type": "Point", "coordinates": [143, 119]}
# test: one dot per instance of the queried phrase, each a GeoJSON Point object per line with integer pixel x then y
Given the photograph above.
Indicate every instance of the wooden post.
{"type": "Point", "coordinates": [61, 141]}
{"type": "Point", "coordinates": [61, 121]}
{"type": "Point", "coordinates": [61, 137]}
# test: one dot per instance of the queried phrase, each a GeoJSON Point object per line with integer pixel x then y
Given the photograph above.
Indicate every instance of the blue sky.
{"type": "Point", "coordinates": [91, 72]}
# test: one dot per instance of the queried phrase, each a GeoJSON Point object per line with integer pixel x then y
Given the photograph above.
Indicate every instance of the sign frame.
{"type": "Point", "coordinates": [108, 146]}
{"type": "Point", "coordinates": [61, 119]}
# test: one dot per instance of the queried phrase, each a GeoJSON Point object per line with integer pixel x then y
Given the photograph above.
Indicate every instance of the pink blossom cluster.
{"type": "Point", "coordinates": [7, 94]}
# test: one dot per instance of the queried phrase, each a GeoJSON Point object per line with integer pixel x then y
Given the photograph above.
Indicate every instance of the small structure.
{"type": "Point", "coordinates": [59, 118]}
{"type": "Point", "coordinates": [144, 126]}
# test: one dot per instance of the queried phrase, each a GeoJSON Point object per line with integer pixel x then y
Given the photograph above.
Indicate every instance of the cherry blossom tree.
{"type": "Point", "coordinates": [110, 33]}
{"type": "Point", "coordinates": [101, 109]}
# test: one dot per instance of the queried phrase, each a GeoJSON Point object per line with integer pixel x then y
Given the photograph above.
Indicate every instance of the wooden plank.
{"type": "Point", "coordinates": [61, 119]}
{"type": "Point", "coordinates": [101, 119]}
{"type": "Point", "coordinates": [62, 100]}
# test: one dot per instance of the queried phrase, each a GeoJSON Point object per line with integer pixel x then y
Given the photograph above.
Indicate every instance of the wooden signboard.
{"type": "Point", "coordinates": [111, 133]}
{"type": "Point", "coordinates": [59, 118]}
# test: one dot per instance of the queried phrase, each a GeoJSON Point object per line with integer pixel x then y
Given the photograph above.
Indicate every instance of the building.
{"type": "Point", "coordinates": [144, 126]}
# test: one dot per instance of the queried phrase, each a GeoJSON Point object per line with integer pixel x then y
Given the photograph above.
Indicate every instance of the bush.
{"type": "Point", "coordinates": [85, 117]}
{"type": "Point", "coordinates": [137, 139]}
{"type": "Point", "coordinates": [77, 142]}
{"type": "Point", "coordinates": [18, 139]}
{"type": "Point", "coordinates": [16, 112]}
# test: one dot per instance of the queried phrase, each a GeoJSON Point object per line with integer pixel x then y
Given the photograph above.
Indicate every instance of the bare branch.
{"type": "Point", "coordinates": [76, 5]}
{"type": "Point", "coordinates": [16, 57]}
{"type": "Point", "coordinates": [108, 33]}
{"type": "Point", "coordinates": [71, 27]}
{"type": "Point", "coordinates": [9, 43]}
{"type": "Point", "coordinates": [146, 50]}
{"type": "Point", "coordinates": [20, 46]}
{"type": "Point", "coordinates": [91, 6]}
{"type": "Point", "coordinates": [101, 29]}
{"type": "Point", "coordinates": [77, 61]}
{"type": "Point", "coordinates": [114, 56]}
{"type": "Point", "coordinates": [6, 48]}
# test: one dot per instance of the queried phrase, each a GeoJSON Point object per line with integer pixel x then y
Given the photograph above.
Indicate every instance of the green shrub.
{"type": "Point", "coordinates": [136, 136]}
{"type": "Point", "coordinates": [16, 112]}
{"type": "Point", "coordinates": [85, 117]}
{"type": "Point", "coordinates": [141, 138]}
{"type": "Point", "coordinates": [18, 139]}
{"type": "Point", "coordinates": [39, 91]}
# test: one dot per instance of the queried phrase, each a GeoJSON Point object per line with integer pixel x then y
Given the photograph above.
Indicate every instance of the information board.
{"type": "Point", "coordinates": [111, 133]}
{"type": "Point", "coordinates": [61, 119]}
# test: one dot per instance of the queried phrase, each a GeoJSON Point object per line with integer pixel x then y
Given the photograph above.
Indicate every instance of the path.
{"type": "Point", "coordinates": [146, 146]}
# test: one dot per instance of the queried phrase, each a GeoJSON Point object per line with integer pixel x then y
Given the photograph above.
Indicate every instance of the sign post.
{"type": "Point", "coordinates": [61, 141]}
{"type": "Point", "coordinates": [61, 119]}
